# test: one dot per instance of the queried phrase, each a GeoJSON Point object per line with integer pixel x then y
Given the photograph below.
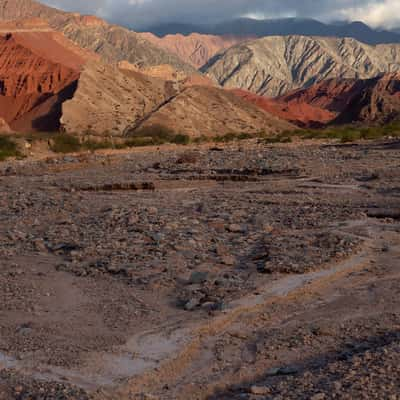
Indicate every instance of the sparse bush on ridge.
{"type": "Point", "coordinates": [344, 134]}
{"type": "Point", "coordinates": [157, 135]}
{"type": "Point", "coordinates": [93, 145]}
{"type": "Point", "coordinates": [65, 143]}
{"type": "Point", "coordinates": [8, 148]}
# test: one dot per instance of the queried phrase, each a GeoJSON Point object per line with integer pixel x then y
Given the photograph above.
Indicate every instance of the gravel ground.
{"type": "Point", "coordinates": [96, 249]}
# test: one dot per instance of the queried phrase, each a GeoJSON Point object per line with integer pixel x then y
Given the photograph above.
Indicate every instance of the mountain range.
{"type": "Point", "coordinates": [54, 79]}
{"type": "Point", "coordinates": [272, 66]}
{"type": "Point", "coordinates": [68, 72]}
{"type": "Point", "coordinates": [113, 43]}
{"type": "Point", "coordinates": [249, 27]}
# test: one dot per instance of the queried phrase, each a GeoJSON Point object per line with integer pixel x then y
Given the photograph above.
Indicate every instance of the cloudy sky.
{"type": "Point", "coordinates": [142, 13]}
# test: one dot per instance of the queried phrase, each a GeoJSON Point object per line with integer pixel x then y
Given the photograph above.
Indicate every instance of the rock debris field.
{"type": "Point", "coordinates": [241, 271]}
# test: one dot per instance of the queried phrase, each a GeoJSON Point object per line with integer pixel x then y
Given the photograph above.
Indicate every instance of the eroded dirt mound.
{"type": "Point", "coordinates": [209, 111]}
{"type": "Point", "coordinates": [195, 49]}
{"type": "Point", "coordinates": [108, 101]}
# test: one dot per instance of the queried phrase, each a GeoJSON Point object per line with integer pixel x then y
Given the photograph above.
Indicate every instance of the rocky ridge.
{"type": "Point", "coordinates": [113, 43]}
{"type": "Point", "coordinates": [272, 66]}
{"type": "Point", "coordinates": [195, 49]}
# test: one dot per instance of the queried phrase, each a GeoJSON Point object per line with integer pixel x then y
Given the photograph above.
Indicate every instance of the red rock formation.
{"type": "Point", "coordinates": [373, 101]}
{"type": "Point", "coordinates": [36, 72]}
{"type": "Point", "coordinates": [297, 112]}
{"type": "Point", "coordinates": [336, 101]}
{"type": "Point", "coordinates": [4, 128]}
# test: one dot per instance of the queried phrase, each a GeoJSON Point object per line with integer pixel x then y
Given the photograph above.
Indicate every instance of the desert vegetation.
{"type": "Point", "coordinates": [158, 135]}
{"type": "Point", "coordinates": [8, 148]}
{"type": "Point", "coordinates": [344, 134]}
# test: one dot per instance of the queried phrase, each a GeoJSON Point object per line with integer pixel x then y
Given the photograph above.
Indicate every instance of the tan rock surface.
{"type": "Point", "coordinates": [272, 66]}
{"type": "Point", "coordinates": [209, 111]}
{"type": "Point", "coordinates": [107, 101]}
{"type": "Point", "coordinates": [195, 49]}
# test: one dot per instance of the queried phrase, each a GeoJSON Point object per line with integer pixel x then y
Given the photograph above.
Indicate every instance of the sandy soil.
{"type": "Point", "coordinates": [241, 272]}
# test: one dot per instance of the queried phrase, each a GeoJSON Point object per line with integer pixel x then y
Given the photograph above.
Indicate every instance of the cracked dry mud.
{"type": "Point", "coordinates": [241, 272]}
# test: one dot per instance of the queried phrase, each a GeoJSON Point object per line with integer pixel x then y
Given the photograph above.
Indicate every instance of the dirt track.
{"type": "Point", "coordinates": [248, 273]}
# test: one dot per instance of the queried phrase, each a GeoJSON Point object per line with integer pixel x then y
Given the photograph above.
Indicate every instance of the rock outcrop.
{"type": "Point", "coordinates": [273, 66]}
{"type": "Point", "coordinates": [372, 101]}
{"type": "Point", "coordinates": [4, 127]}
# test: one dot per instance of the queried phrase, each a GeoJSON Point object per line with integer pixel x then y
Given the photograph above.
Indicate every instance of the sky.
{"type": "Point", "coordinates": [143, 13]}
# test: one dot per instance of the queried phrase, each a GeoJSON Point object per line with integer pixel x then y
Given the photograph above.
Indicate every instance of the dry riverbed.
{"type": "Point", "coordinates": [240, 272]}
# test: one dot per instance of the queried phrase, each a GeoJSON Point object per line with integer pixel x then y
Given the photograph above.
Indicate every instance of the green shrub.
{"type": "Point", "coordinates": [8, 148]}
{"type": "Point", "coordinates": [180, 139]}
{"type": "Point", "coordinates": [138, 142]}
{"type": "Point", "coordinates": [229, 137]}
{"type": "Point", "coordinates": [158, 132]}
{"type": "Point", "coordinates": [278, 139]}
{"type": "Point", "coordinates": [155, 135]}
{"type": "Point", "coordinates": [93, 145]}
{"type": "Point", "coordinates": [343, 134]}
{"type": "Point", "coordinates": [64, 143]}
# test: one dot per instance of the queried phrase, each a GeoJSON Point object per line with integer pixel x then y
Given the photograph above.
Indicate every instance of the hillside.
{"type": "Point", "coordinates": [195, 49]}
{"type": "Point", "coordinates": [108, 101]}
{"type": "Point", "coordinates": [129, 100]}
{"type": "Point", "coordinates": [113, 43]}
{"type": "Point", "coordinates": [281, 27]}
{"type": "Point", "coordinates": [21, 9]}
{"type": "Point", "coordinates": [272, 66]}
{"type": "Point", "coordinates": [375, 101]}
{"type": "Point", "coordinates": [37, 72]}
{"type": "Point", "coordinates": [336, 101]}
{"type": "Point", "coordinates": [296, 111]}
{"type": "Point", "coordinates": [207, 111]}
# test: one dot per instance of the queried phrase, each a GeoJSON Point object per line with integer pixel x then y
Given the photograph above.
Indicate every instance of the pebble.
{"type": "Point", "coordinates": [259, 390]}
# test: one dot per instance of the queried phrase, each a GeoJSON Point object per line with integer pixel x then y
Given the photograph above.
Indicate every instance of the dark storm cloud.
{"type": "Point", "coordinates": [139, 13]}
